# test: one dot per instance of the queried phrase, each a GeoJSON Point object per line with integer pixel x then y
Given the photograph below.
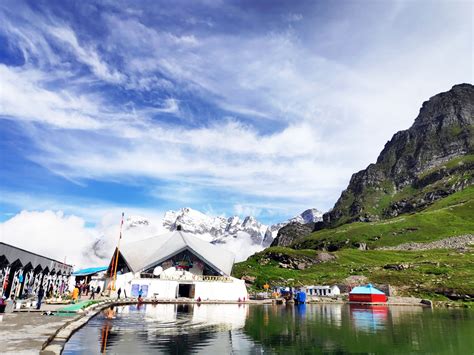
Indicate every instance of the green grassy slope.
{"type": "Point", "coordinates": [377, 200]}
{"type": "Point", "coordinates": [429, 273]}
{"type": "Point", "coordinates": [451, 216]}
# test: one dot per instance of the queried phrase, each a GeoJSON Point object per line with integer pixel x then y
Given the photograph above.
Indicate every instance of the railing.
{"type": "Point", "coordinates": [187, 277]}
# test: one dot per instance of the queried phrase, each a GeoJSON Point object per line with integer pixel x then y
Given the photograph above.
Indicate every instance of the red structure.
{"type": "Point", "coordinates": [367, 294]}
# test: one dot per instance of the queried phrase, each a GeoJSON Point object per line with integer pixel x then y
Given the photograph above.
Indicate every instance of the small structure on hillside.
{"type": "Point", "coordinates": [367, 294]}
{"type": "Point", "coordinates": [176, 264]}
{"type": "Point", "coordinates": [323, 291]}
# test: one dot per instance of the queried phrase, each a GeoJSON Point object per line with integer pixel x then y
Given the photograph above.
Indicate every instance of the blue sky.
{"type": "Point", "coordinates": [228, 107]}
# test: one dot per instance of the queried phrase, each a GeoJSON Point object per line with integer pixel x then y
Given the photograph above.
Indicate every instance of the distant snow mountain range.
{"type": "Point", "coordinates": [242, 236]}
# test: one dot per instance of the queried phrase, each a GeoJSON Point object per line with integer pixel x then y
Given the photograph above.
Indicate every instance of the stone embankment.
{"type": "Point", "coordinates": [460, 242]}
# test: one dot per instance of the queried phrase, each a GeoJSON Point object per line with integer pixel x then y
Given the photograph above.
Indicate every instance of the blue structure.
{"type": "Point", "coordinates": [300, 297]}
{"type": "Point", "coordinates": [90, 271]}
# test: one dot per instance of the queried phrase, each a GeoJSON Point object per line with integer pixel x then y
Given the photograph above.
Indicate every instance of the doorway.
{"type": "Point", "coordinates": [186, 290]}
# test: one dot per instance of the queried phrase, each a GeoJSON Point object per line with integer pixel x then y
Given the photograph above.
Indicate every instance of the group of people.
{"type": "Point", "coordinates": [85, 289]}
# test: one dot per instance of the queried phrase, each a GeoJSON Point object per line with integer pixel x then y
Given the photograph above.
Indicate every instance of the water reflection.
{"type": "Point", "coordinates": [224, 329]}
{"type": "Point", "coordinates": [368, 318]}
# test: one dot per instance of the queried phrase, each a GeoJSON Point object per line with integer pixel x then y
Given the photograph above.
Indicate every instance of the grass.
{"type": "Point", "coordinates": [430, 272]}
{"type": "Point", "coordinates": [375, 201]}
{"type": "Point", "coordinates": [451, 216]}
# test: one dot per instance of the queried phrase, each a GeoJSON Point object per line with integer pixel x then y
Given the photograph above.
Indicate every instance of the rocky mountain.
{"type": "Point", "coordinates": [292, 233]}
{"type": "Point", "coordinates": [430, 160]}
{"type": "Point", "coordinates": [248, 232]}
{"type": "Point", "coordinates": [418, 196]}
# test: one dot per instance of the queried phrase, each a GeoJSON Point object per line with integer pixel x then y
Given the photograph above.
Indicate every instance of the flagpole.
{"type": "Point", "coordinates": [117, 254]}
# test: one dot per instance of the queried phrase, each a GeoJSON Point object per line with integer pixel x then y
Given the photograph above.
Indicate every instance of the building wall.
{"type": "Point", "coordinates": [323, 291]}
{"type": "Point", "coordinates": [167, 289]}
{"type": "Point", "coordinates": [223, 291]}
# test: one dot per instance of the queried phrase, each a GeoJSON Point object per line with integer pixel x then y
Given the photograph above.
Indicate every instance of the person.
{"type": "Point", "coordinates": [40, 297]}
{"type": "Point", "coordinates": [75, 293]}
{"type": "Point", "coordinates": [109, 312]}
{"type": "Point", "coordinates": [119, 292]}
{"type": "Point", "coordinates": [92, 292]}
{"type": "Point", "coordinates": [98, 291]}
{"type": "Point", "coordinates": [3, 304]}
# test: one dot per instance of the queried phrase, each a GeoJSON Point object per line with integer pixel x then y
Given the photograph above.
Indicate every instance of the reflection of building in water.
{"type": "Point", "coordinates": [229, 316]}
{"type": "Point", "coordinates": [330, 313]}
{"type": "Point", "coordinates": [225, 316]}
{"type": "Point", "coordinates": [177, 328]}
{"type": "Point", "coordinates": [369, 318]}
{"type": "Point", "coordinates": [23, 272]}
{"type": "Point", "coordinates": [177, 264]}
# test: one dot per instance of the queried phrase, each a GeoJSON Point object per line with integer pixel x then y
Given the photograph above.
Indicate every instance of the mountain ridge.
{"type": "Point", "coordinates": [442, 132]}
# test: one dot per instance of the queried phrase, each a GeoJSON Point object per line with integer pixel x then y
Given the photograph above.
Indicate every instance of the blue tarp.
{"type": "Point", "coordinates": [365, 290]}
{"type": "Point", "coordinates": [90, 271]}
{"type": "Point", "coordinates": [301, 297]}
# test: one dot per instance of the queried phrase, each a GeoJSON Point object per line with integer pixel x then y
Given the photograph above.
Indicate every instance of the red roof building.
{"type": "Point", "coordinates": [368, 294]}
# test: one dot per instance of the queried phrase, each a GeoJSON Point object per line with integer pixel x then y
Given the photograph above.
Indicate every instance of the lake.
{"type": "Point", "coordinates": [280, 329]}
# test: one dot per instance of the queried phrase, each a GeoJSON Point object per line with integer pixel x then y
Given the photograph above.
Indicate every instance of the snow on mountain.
{"type": "Point", "coordinates": [311, 215]}
{"type": "Point", "coordinates": [243, 237]}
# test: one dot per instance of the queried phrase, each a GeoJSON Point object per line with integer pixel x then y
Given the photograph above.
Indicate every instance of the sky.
{"type": "Point", "coordinates": [228, 107]}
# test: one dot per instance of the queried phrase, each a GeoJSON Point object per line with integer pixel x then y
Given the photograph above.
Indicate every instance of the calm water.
{"type": "Point", "coordinates": [252, 329]}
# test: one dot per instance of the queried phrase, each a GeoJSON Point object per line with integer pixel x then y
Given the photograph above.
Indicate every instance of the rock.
{"type": "Point", "coordinates": [355, 280]}
{"type": "Point", "coordinates": [249, 279]}
{"type": "Point", "coordinates": [361, 246]}
{"type": "Point", "coordinates": [291, 233]}
{"type": "Point", "coordinates": [397, 267]}
{"type": "Point", "coordinates": [459, 242]}
{"type": "Point", "coordinates": [323, 257]}
{"type": "Point", "coordinates": [414, 158]}
{"type": "Point", "coordinates": [301, 266]}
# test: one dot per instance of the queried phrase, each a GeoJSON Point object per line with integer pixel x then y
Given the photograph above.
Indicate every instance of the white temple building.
{"type": "Point", "coordinates": [177, 265]}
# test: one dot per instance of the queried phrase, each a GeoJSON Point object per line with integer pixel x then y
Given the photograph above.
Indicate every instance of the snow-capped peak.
{"type": "Point", "coordinates": [311, 215]}
{"type": "Point", "coordinates": [243, 236]}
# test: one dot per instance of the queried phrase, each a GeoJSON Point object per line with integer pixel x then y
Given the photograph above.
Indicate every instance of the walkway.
{"type": "Point", "coordinates": [26, 332]}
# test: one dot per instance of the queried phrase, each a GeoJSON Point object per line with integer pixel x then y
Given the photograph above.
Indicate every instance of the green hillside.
{"type": "Point", "coordinates": [429, 273]}
{"type": "Point", "coordinates": [451, 216]}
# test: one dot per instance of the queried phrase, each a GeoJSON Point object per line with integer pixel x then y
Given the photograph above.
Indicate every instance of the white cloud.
{"type": "Point", "coordinates": [87, 55]}
{"type": "Point", "coordinates": [23, 97]}
{"type": "Point", "coordinates": [52, 234]}
{"type": "Point", "coordinates": [61, 236]}
{"type": "Point", "coordinates": [325, 116]}
{"type": "Point", "coordinates": [246, 210]}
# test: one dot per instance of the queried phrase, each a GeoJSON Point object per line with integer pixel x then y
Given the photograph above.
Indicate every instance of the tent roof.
{"type": "Point", "coordinates": [146, 253]}
{"type": "Point", "coordinates": [364, 290]}
{"type": "Point", "coordinates": [90, 271]}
